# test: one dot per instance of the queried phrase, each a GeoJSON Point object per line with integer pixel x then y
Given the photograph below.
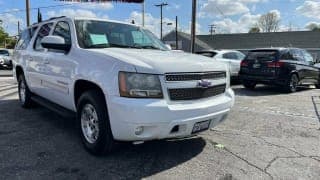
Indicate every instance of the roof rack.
{"type": "Point", "coordinates": [58, 17]}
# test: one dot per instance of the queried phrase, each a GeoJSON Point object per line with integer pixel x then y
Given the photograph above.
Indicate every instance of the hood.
{"type": "Point", "coordinates": [161, 62]}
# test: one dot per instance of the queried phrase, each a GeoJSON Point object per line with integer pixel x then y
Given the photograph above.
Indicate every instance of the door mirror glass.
{"type": "Point", "coordinates": [55, 42]}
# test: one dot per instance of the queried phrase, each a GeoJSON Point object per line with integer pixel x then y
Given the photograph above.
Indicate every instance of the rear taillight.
{"type": "Point", "coordinates": [244, 64]}
{"type": "Point", "coordinates": [277, 64]}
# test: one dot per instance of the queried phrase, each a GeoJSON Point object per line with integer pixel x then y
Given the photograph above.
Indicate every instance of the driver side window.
{"type": "Point", "coordinates": [43, 32]}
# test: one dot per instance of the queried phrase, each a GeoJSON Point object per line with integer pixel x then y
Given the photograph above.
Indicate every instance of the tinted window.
{"type": "Point", "coordinates": [240, 56]}
{"type": "Point", "coordinates": [4, 52]}
{"type": "Point", "coordinates": [307, 57]}
{"type": "Point", "coordinates": [44, 31]}
{"type": "Point", "coordinates": [25, 38]}
{"type": "Point", "coordinates": [230, 55]}
{"type": "Point", "coordinates": [208, 54]}
{"type": "Point", "coordinates": [263, 55]}
{"type": "Point", "coordinates": [62, 29]}
{"type": "Point", "coordinates": [286, 55]}
{"type": "Point", "coordinates": [297, 55]}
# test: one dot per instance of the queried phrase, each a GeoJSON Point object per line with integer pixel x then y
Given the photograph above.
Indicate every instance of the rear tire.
{"type": "Point", "coordinates": [292, 84]}
{"type": "Point", "coordinates": [24, 93]}
{"type": "Point", "coordinates": [249, 84]}
{"type": "Point", "coordinates": [94, 125]}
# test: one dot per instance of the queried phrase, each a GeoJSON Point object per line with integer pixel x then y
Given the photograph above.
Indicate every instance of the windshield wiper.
{"type": "Point", "coordinates": [123, 46]}
{"type": "Point", "coordinates": [104, 45]}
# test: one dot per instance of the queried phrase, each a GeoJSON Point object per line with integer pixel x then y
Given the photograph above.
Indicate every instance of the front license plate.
{"type": "Point", "coordinates": [201, 126]}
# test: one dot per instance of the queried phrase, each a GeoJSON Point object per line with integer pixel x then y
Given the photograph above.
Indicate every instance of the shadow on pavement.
{"type": "Point", "coordinates": [262, 90]}
{"type": "Point", "coordinates": [38, 141]}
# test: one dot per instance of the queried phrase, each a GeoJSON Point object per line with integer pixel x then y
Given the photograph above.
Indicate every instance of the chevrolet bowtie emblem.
{"type": "Point", "coordinates": [204, 83]}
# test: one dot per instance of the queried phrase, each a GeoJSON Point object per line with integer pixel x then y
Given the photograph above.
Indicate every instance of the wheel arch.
{"type": "Point", "coordinates": [82, 85]}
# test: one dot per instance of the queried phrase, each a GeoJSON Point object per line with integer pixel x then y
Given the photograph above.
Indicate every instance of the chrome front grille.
{"type": "Point", "coordinates": [189, 86]}
{"type": "Point", "coordinates": [195, 76]}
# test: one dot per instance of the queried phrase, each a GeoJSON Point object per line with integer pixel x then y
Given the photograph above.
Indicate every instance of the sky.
{"type": "Point", "coordinates": [229, 16]}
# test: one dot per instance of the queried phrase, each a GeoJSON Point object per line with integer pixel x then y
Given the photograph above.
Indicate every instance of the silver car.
{"type": "Point", "coordinates": [231, 57]}
{"type": "Point", "coordinates": [5, 59]}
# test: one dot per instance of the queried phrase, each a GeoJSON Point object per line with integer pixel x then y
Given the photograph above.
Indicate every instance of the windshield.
{"type": "Point", "coordinates": [102, 34]}
{"type": "Point", "coordinates": [4, 53]}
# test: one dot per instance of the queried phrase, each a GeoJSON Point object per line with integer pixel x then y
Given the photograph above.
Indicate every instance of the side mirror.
{"type": "Point", "coordinates": [169, 46]}
{"type": "Point", "coordinates": [55, 42]}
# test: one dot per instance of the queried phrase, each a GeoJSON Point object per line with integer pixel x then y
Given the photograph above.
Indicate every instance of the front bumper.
{"type": "Point", "coordinates": [159, 117]}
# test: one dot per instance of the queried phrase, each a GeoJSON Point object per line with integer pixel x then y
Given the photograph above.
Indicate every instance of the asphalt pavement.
{"type": "Point", "coordinates": [4, 72]}
{"type": "Point", "coordinates": [268, 135]}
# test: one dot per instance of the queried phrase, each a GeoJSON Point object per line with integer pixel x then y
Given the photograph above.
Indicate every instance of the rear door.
{"type": "Point", "coordinates": [22, 53]}
{"type": "Point", "coordinates": [259, 61]}
{"type": "Point", "coordinates": [37, 61]}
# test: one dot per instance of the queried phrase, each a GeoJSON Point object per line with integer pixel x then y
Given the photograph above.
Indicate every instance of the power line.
{"type": "Point", "coordinates": [43, 7]}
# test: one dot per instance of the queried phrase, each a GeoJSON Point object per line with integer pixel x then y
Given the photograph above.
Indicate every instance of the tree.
{"type": "Point", "coordinates": [313, 27]}
{"type": "Point", "coordinates": [6, 40]}
{"type": "Point", "coordinates": [254, 30]}
{"type": "Point", "coordinates": [269, 22]}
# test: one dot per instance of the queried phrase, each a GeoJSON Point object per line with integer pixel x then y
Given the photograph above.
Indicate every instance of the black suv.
{"type": "Point", "coordinates": [286, 67]}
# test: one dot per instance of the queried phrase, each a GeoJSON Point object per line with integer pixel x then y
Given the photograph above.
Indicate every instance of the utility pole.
{"type": "Point", "coordinates": [18, 28]}
{"type": "Point", "coordinates": [28, 12]}
{"type": "Point", "coordinates": [212, 29]}
{"type": "Point", "coordinates": [161, 6]}
{"type": "Point", "coordinates": [177, 33]}
{"type": "Point", "coordinates": [193, 24]}
{"type": "Point", "coordinates": [143, 12]}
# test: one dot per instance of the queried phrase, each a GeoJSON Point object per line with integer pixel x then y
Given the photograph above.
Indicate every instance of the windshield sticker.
{"type": "Point", "coordinates": [98, 39]}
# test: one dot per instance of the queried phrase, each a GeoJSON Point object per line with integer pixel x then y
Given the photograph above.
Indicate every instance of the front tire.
{"type": "Point", "coordinates": [292, 84]}
{"type": "Point", "coordinates": [249, 84]}
{"type": "Point", "coordinates": [24, 93]}
{"type": "Point", "coordinates": [94, 123]}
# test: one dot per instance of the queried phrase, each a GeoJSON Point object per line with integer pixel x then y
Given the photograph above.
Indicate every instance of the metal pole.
{"type": "Point", "coordinates": [193, 24]}
{"type": "Point", "coordinates": [161, 23]}
{"type": "Point", "coordinates": [143, 12]}
{"type": "Point", "coordinates": [18, 28]}
{"type": "Point", "coordinates": [177, 33]}
{"type": "Point", "coordinates": [28, 12]}
{"type": "Point", "coordinates": [161, 6]}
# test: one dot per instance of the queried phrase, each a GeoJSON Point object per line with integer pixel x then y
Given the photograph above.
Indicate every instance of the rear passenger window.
{"type": "Point", "coordinates": [25, 38]}
{"type": "Point", "coordinates": [230, 55]}
{"type": "Point", "coordinates": [43, 32]}
{"type": "Point", "coordinates": [286, 55]}
{"type": "Point", "coordinates": [307, 57]}
{"type": "Point", "coordinates": [297, 55]}
{"type": "Point", "coordinates": [62, 29]}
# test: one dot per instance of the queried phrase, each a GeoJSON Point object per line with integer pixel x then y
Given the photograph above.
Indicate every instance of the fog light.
{"type": "Point", "coordinates": [138, 130]}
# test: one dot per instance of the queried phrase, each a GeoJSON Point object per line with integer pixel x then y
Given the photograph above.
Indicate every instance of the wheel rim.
{"type": "Point", "coordinates": [293, 83]}
{"type": "Point", "coordinates": [89, 123]}
{"type": "Point", "coordinates": [22, 92]}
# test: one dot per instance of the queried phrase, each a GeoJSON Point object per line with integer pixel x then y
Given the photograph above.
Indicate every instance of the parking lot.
{"type": "Point", "coordinates": [268, 135]}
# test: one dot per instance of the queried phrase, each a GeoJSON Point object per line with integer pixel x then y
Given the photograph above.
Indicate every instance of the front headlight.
{"type": "Point", "coordinates": [136, 85]}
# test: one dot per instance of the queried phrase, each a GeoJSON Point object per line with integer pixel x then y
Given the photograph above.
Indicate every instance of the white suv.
{"type": "Point", "coordinates": [121, 82]}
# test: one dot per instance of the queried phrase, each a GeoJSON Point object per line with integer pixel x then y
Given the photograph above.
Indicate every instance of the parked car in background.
{"type": "Point", "coordinates": [230, 57]}
{"type": "Point", "coordinates": [5, 59]}
{"type": "Point", "coordinates": [120, 80]}
{"type": "Point", "coordinates": [285, 67]}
